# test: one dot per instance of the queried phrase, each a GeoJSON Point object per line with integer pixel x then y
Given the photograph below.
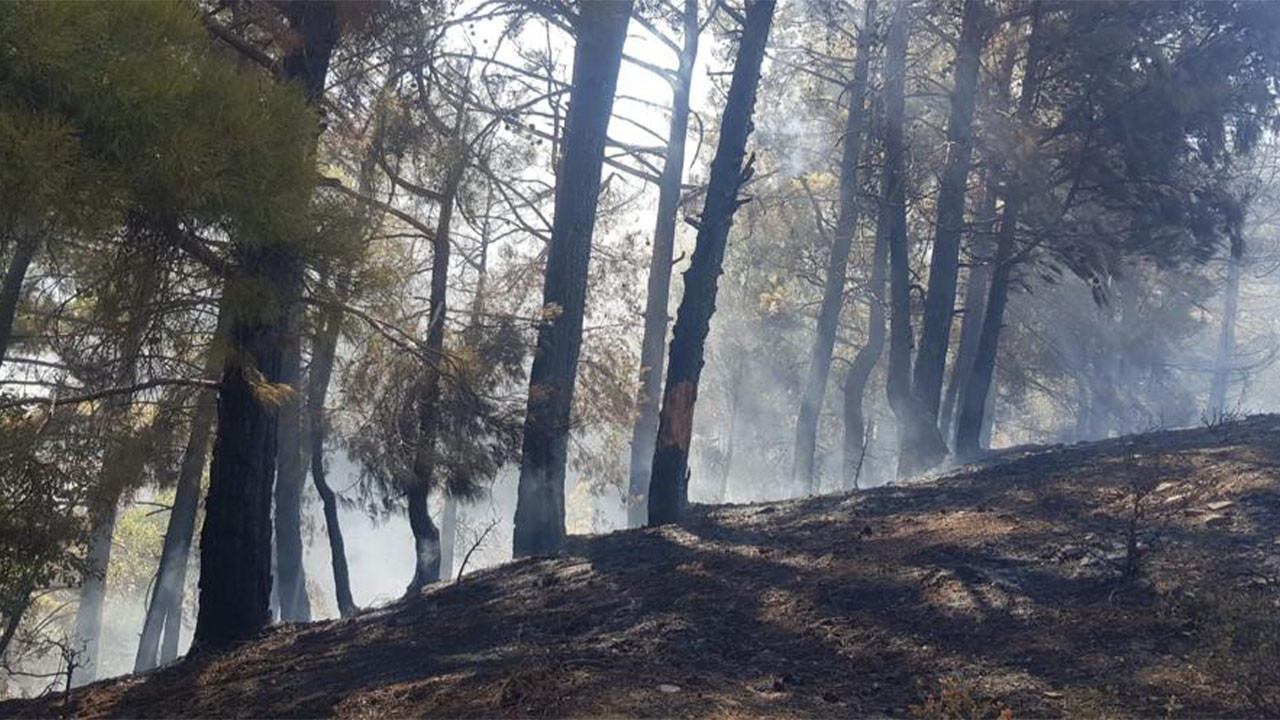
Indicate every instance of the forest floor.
{"type": "Point", "coordinates": [1004, 586]}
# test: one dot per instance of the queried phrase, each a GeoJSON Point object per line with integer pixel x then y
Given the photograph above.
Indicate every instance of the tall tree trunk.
{"type": "Point", "coordinates": [977, 286]}
{"type": "Point", "coordinates": [323, 354]}
{"type": "Point", "coordinates": [922, 444]}
{"type": "Point", "coordinates": [308, 66]}
{"type": "Point", "coordinates": [669, 486]}
{"type": "Point", "coordinates": [645, 433]}
{"type": "Point", "coordinates": [120, 469]}
{"type": "Point", "coordinates": [449, 514]}
{"type": "Point", "coordinates": [93, 591]}
{"type": "Point", "coordinates": [974, 396]}
{"type": "Point", "coordinates": [1227, 340]}
{"type": "Point", "coordinates": [855, 384]}
{"type": "Point", "coordinates": [601, 28]}
{"type": "Point", "coordinates": [291, 477]}
{"type": "Point", "coordinates": [824, 341]}
{"type": "Point", "coordinates": [235, 543]}
{"type": "Point", "coordinates": [11, 290]}
{"type": "Point", "coordinates": [426, 538]}
{"type": "Point", "coordinates": [975, 304]}
{"type": "Point", "coordinates": [164, 611]}
{"type": "Point", "coordinates": [898, 380]}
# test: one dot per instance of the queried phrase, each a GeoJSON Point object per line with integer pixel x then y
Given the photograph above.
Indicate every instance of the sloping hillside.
{"type": "Point", "coordinates": [1001, 586]}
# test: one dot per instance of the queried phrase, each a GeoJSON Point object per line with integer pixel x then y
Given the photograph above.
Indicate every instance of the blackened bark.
{"type": "Point", "coordinates": [922, 445]}
{"type": "Point", "coordinates": [975, 304]}
{"type": "Point", "coordinates": [235, 543]}
{"type": "Point", "coordinates": [977, 286]}
{"type": "Point", "coordinates": [539, 518]}
{"type": "Point", "coordinates": [973, 420]}
{"type": "Point", "coordinates": [973, 396]}
{"type": "Point", "coordinates": [11, 290]}
{"type": "Point", "coordinates": [426, 539]}
{"type": "Point", "coordinates": [668, 489]}
{"type": "Point", "coordinates": [323, 355]}
{"type": "Point", "coordinates": [164, 611]}
{"type": "Point", "coordinates": [837, 265]}
{"type": "Point", "coordinates": [645, 433]}
{"type": "Point", "coordinates": [894, 205]}
{"type": "Point", "coordinates": [1227, 338]}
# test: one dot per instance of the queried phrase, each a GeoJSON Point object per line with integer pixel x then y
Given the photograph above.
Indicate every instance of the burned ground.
{"type": "Point", "coordinates": [1133, 577]}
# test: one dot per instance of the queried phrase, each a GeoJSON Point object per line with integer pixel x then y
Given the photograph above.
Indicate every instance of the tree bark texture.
{"type": "Point", "coordinates": [922, 445]}
{"type": "Point", "coordinates": [815, 389]}
{"type": "Point", "coordinates": [644, 434]}
{"type": "Point", "coordinates": [668, 493]}
{"type": "Point", "coordinates": [539, 518]}
{"type": "Point", "coordinates": [235, 542]}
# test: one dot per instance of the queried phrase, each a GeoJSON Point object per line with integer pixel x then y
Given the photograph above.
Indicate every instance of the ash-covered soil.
{"type": "Point", "coordinates": [1135, 577]}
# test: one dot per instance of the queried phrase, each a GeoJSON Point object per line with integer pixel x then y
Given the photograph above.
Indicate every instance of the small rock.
{"type": "Point", "coordinates": [668, 688]}
{"type": "Point", "coordinates": [1052, 694]}
{"type": "Point", "coordinates": [1166, 485]}
{"type": "Point", "coordinates": [1220, 505]}
{"type": "Point", "coordinates": [1174, 498]}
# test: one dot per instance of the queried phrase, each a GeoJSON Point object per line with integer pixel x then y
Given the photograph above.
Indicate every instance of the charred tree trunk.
{"type": "Point", "coordinates": [668, 490]}
{"type": "Point", "coordinates": [922, 444]}
{"type": "Point", "coordinates": [645, 433]}
{"type": "Point", "coordinates": [235, 543]}
{"type": "Point", "coordinates": [11, 289]}
{"type": "Point", "coordinates": [164, 612]}
{"type": "Point", "coordinates": [975, 306]}
{"type": "Point", "coordinates": [539, 519]}
{"type": "Point", "coordinates": [1227, 340]}
{"type": "Point", "coordinates": [894, 210]}
{"type": "Point", "coordinates": [977, 286]}
{"type": "Point", "coordinates": [973, 396]}
{"type": "Point", "coordinates": [815, 389]}
{"type": "Point", "coordinates": [322, 358]}
{"type": "Point", "coordinates": [973, 420]}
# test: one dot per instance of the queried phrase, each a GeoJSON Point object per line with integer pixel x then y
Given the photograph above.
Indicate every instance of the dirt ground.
{"type": "Point", "coordinates": [1135, 577]}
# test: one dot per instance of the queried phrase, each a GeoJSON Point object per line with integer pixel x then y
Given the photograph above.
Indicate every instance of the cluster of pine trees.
{"type": "Point", "coordinates": [241, 237]}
